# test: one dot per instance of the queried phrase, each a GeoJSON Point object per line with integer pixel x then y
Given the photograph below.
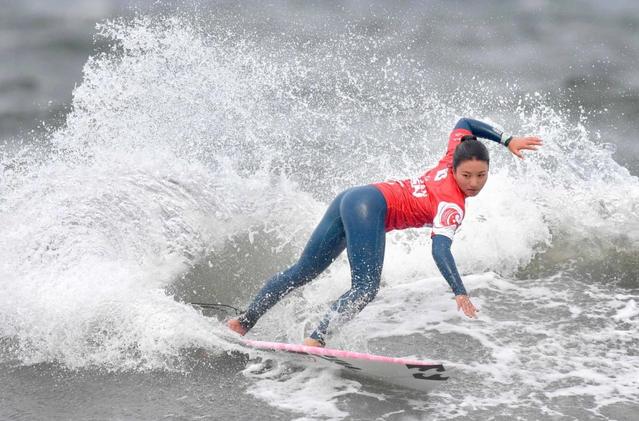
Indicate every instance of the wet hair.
{"type": "Point", "coordinates": [470, 149]}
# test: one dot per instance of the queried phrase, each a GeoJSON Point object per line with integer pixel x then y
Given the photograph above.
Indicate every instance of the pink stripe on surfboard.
{"type": "Point", "coordinates": [329, 352]}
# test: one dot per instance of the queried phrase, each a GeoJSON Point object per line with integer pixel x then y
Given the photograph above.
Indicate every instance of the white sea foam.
{"type": "Point", "coordinates": [312, 392]}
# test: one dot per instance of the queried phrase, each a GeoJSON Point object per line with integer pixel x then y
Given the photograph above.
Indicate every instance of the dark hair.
{"type": "Point", "coordinates": [469, 149]}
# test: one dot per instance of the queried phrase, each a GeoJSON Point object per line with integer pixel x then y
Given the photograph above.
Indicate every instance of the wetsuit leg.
{"type": "Point", "coordinates": [326, 243]}
{"type": "Point", "coordinates": [363, 211]}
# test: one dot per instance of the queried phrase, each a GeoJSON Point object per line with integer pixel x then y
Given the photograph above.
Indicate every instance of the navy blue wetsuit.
{"type": "Point", "coordinates": [355, 220]}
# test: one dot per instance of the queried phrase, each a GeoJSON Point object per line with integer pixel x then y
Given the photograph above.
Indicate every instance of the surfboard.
{"type": "Point", "coordinates": [412, 374]}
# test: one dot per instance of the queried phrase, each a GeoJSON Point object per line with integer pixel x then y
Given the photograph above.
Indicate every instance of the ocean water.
{"type": "Point", "coordinates": [183, 152]}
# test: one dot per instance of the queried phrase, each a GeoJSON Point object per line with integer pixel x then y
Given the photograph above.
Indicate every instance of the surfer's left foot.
{"type": "Point", "coordinates": [236, 326]}
{"type": "Point", "coordinates": [313, 342]}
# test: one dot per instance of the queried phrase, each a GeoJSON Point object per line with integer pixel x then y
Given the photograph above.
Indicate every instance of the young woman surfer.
{"type": "Point", "coordinates": [357, 220]}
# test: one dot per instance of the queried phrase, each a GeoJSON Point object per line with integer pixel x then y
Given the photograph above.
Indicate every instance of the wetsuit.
{"type": "Point", "coordinates": [358, 220]}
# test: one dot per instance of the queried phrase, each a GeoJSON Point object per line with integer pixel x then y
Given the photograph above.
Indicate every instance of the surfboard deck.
{"type": "Point", "coordinates": [413, 374]}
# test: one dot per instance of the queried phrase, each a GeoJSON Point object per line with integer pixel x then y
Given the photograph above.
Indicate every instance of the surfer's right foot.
{"type": "Point", "coordinates": [313, 342]}
{"type": "Point", "coordinates": [236, 326]}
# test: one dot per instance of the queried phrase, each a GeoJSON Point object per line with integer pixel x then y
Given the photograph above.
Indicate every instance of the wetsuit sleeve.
{"type": "Point", "coordinates": [468, 126]}
{"type": "Point", "coordinates": [483, 130]}
{"type": "Point", "coordinates": [446, 264]}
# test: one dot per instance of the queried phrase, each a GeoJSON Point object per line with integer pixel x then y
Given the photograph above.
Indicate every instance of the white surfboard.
{"type": "Point", "coordinates": [413, 374]}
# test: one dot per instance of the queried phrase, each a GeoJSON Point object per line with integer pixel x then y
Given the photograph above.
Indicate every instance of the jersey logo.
{"type": "Point", "coordinates": [448, 214]}
{"type": "Point", "coordinates": [449, 217]}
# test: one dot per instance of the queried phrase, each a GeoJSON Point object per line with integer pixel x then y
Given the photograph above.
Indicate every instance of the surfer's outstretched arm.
{"type": "Point", "coordinates": [446, 265]}
{"type": "Point", "coordinates": [483, 130]}
{"type": "Point", "coordinates": [486, 131]}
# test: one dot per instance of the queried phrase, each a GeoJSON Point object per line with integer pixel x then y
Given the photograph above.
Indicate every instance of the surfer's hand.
{"type": "Point", "coordinates": [463, 302]}
{"type": "Point", "coordinates": [518, 144]}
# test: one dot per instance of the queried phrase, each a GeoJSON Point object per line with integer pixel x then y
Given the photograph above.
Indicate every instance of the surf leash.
{"type": "Point", "coordinates": [218, 306]}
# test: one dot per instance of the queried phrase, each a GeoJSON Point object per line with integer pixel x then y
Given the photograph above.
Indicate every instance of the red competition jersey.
{"type": "Point", "coordinates": [432, 200]}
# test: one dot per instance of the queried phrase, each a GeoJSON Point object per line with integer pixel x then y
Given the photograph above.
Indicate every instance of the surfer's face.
{"type": "Point", "coordinates": [471, 176]}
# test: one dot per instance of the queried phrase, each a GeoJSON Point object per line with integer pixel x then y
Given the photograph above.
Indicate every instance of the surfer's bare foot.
{"type": "Point", "coordinates": [236, 326]}
{"type": "Point", "coordinates": [313, 342]}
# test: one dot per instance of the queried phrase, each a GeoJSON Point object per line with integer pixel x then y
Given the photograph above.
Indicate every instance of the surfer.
{"type": "Point", "coordinates": [357, 220]}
